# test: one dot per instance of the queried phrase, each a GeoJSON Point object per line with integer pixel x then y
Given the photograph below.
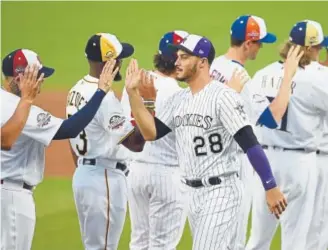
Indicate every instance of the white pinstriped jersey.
{"type": "Point", "coordinates": [323, 139]}
{"type": "Point", "coordinates": [307, 107]}
{"type": "Point", "coordinates": [26, 159]}
{"type": "Point", "coordinates": [204, 125]}
{"type": "Point", "coordinates": [163, 150]}
{"type": "Point", "coordinates": [222, 69]}
{"type": "Point", "coordinates": [99, 139]}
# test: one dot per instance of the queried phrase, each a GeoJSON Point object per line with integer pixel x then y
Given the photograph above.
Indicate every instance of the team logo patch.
{"type": "Point", "coordinates": [241, 111]}
{"type": "Point", "coordinates": [43, 119]}
{"type": "Point", "coordinates": [253, 35]}
{"type": "Point", "coordinates": [19, 69]}
{"type": "Point", "coordinates": [116, 121]}
{"type": "Point", "coordinates": [109, 54]}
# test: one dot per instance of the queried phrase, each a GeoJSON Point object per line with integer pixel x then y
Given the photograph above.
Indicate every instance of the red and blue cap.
{"type": "Point", "coordinates": [251, 28]}
{"type": "Point", "coordinates": [308, 33]}
{"type": "Point", "coordinates": [173, 37]}
{"type": "Point", "coordinates": [16, 62]}
{"type": "Point", "coordinates": [198, 46]}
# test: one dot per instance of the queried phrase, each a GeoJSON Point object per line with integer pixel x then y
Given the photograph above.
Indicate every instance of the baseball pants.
{"type": "Point", "coordinates": [17, 216]}
{"type": "Point", "coordinates": [100, 196]}
{"type": "Point", "coordinates": [156, 206]}
{"type": "Point", "coordinates": [318, 233]}
{"type": "Point", "coordinates": [213, 213]}
{"type": "Point", "coordinates": [296, 177]}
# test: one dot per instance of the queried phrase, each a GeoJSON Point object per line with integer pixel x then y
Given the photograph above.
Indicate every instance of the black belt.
{"type": "Point", "coordinates": [198, 182]}
{"type": "Point", "coordinates": [119, 165]}
{"type": "Point", "coordinates": [321, 152]}
{"type": "Point", "coordinates": [285, 149]}
{"type": "Point", "coordinates": [25, 186]}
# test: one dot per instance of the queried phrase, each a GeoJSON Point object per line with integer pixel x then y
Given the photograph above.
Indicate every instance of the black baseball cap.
{"type": "Point", "coordinates": [104, 46]}
{"type": "Point", "coordinates": [16, 62]}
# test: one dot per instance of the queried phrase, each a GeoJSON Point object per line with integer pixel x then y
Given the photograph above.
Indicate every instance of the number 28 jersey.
{"type": "Point", "coordinates": [99, 139]}
{"type": "Point", "coordinates": [204, 125]}
{"type": "Point", "coordinates": [307, 107]}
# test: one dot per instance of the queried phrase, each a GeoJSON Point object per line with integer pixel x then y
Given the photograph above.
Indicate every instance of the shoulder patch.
{"type": "Point", "coordinates": [43, 119]}
{"type": "Point", "coordinates": [116, 121]}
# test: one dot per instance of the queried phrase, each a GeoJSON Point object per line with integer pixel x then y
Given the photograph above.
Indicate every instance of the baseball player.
{"type": "Point", "coordinates": [291, 147]}
{"type": "Point", "coordinates": [99, 183]}
{"type": "Point", "coordinates": [155, 202]}
{"type": "Point", "coordinates": [208, 121]}
{"type": "Point", "coordinates": [29, 86]}
{"type": "Point", "coordinates": [22, 167]}
{"type": "Point", "coordinates": [318, 231]}
{"type": "Point", "coordinates": [325, 63]}
{"type": "Point", "coordinates": [247, 35]}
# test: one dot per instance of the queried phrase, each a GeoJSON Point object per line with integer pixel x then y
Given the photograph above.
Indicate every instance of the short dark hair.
{"type": "Point", "coordinates": [235, 42]}
{"type": "Point", "coordinates": [164, 64]}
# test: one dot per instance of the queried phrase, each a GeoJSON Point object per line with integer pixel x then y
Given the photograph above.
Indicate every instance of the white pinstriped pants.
{"type": "Point", "coordinates": [213, 213]}
{"type": "Point", "coordinates": [156, 206]}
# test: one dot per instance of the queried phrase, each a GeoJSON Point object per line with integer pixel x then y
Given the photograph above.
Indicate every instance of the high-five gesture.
{"type": "Point", "coordinates": [29, 84]}
{"type": "Point", "coordinates": [107, 75]}
{"type": "Point", "coordinates": [146, 87]}
{"type": "Point", "coordinates": [132, 76]}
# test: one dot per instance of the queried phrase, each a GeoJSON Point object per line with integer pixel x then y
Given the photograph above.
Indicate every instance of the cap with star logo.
{"type": "Point", "coordinates": [102, 47]}
{"type": "Point", "coordinates": [16, 62]}
{"type": "Point", "coordinates": [308, 33]}
{"type": "Point", "coordinates": [251, 28]}
{"type": "Point", "coordinates": [198, 46]}
{"type": "Point", "coordinates": [173, 37]}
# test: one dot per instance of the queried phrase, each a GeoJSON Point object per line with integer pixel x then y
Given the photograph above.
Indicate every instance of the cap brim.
{"type": "Point", "coordinates": [176, 47]}
{"type": "Point", "coordinates": [127, 50]}
{"type": "Point", "coordinates": [325, 42]}
{"type": "Point", "coordinates": [269, 38]}
{"type": "Point", "coordinates": [46, 71]}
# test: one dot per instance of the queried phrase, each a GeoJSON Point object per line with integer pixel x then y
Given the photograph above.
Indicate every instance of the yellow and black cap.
{"type": "Point", "coordinates": [104, 46]}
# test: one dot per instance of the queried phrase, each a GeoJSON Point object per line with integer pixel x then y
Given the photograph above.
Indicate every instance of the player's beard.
{"type": "Point", "coordinates": [188, 74]}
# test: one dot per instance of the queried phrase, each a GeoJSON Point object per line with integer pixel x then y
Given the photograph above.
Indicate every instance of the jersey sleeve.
{"type": "Point", "coordinates": [41, 125]}
{"type": "Point", "coordinates": [126, 104]}
{"type": "Point", "coordinates": [320, 94]}
{"type": "Point", "coordinates": [165, 111]}
{"type": "Point", "coordinates": [111, 118]}
{"type": "Point", "coordinates": [232, 111]}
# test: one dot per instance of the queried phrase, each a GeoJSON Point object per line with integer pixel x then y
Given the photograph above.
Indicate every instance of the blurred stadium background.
{"type": "Point", "coordinates": [58, 31]}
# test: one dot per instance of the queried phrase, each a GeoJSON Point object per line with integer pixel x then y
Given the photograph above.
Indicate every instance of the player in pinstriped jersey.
{"type": "Point", "coordinates": [155, 203]}
{"type": "Point", "coordinates": [291, 145]}
{"type": "Point", "coordinates": [246, 37]}
{"type": "Point", "coordinates": [208, 122]}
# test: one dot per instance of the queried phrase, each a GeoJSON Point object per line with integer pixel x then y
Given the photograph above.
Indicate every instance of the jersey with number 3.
{"type": "Point", "coordinates": [99, 139]}
{"type": "Point", "coordinates": [204, 125]}
{"type": "Point", "coordinates": [307, 107]}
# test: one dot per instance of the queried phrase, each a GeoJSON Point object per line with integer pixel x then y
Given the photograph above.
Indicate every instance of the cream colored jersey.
{"type": "Point", "coordinates": [163, 150]}
{"type": "Point", "coordinates": [26, 159]}
{"type": "Point", "coordinates": [99, 139]}
{"type": "Point", "coordinates": [307, 107]}
{"type": "Point", "coordinates": [222, 70]}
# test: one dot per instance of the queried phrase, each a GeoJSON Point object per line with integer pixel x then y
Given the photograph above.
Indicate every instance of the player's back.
{"type": "Point", "coordinates": [204, 124]}
{"type": "Point", "coordinates": [99, 139]}
{"type": "Point", "coordinates": [161, 151]}
{"type": "Point", "coordinates": [26, 159]}
{"type": "Point", "coordinates": [305, 110]}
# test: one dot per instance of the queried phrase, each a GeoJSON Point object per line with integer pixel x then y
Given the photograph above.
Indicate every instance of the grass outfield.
{"type": "Point", "coordinates": [58, 31]}
{"type": "Point", "coordinates": [57, 224]}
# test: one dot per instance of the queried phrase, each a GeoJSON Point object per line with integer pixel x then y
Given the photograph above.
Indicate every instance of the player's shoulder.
{"type": "Point", "coordinates": [273, 67]}
{"type": "Point", "coordinates": [85, 85]}
{"type": "Point", "coordinates": [163, 82]}
{"type": "Point", "coordinates": [218, 89]}
{"type": "Point", "coordinates": [225, 63]}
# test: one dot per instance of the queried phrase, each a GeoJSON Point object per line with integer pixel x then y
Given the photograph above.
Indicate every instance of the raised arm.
{"type": "Point", "coordinates": [29, 86]}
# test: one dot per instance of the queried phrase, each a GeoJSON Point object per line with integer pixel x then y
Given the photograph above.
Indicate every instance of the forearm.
{"type": "Point", "coordinates": [72, 126]}
{"type": "Point", "coordinates": [144, 120]}
{"type": "Point", "coordinates": [256, 156]}
{"type": "Point", "coordinates": [14, 126]}
{"type": "Point", "coordinates": [279, 105]}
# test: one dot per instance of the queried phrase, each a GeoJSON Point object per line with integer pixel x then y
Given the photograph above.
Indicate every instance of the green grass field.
{"type": "Point", "coordinates": [58, 31]}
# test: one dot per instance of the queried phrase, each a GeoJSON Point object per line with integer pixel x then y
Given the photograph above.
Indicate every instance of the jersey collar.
{"type": "Point", "coordinates": [90, 79]}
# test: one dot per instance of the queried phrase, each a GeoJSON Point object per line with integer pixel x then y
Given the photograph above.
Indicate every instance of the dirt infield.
{"type": "Point", "coordinates": [59, 161]}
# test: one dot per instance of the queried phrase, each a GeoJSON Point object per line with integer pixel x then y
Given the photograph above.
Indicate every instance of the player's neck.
{"type": "Point", "coordinates": [94, 73]}
{"type": "Point", "coordinates": [235, 53]}
{"type": "Point", "coordinates": [199, 82]}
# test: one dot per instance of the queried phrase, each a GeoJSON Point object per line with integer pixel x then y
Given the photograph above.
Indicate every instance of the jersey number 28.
{"type": "Point", "coordinates": [214, 141]}
{"type": "Point", "coordinates": [83, 138]}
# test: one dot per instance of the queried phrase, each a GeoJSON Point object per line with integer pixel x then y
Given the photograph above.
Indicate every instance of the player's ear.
{"type": "Point", "coordinates": [203, 62]}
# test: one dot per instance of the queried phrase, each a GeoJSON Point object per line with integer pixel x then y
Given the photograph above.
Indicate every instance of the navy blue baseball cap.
{"type": "Point", "coordinates": [251, 28]}
{"type": "Point", "coordinates": [15, 63]}
{"type": "Point", "coordinates": [198, 46]}
{"type": "Point", "coordinates": [308, 33]}
{"type": "Point", "coordinates": [172, 37]}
